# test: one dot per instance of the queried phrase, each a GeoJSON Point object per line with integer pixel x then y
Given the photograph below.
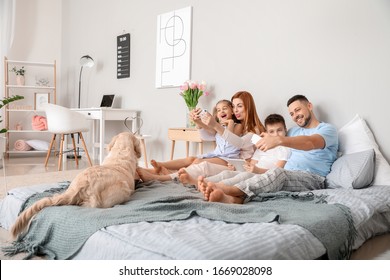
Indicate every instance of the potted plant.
{"type": "Point", "coordinates": [19, 74]}
{"type": "Point", "coordinates": [4, 102]}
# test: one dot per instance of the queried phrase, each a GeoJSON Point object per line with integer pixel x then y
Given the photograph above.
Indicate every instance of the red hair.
{"type": "Point", "coordinates": [252, 121]}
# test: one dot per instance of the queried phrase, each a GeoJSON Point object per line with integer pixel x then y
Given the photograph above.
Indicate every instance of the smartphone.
{"type": "Point", "coordinates": [255, 138]}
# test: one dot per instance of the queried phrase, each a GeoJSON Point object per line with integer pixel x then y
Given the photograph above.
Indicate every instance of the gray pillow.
{"type": "Point", "coordinates": [354, 170]}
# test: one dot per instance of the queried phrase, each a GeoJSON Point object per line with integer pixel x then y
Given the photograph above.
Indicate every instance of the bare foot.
{"type": "Point", "coordinates": [202, 184]}
{"type": "Point", "coordinates": [231, 167]}
{"type": "Point", "coordinates": [159, 169]}
{"type": "Point", "coordinates": [185, 178]}
{"type": "Point", "coordinates": [146, 175]}
{"type": "Point", "coordinates": [214, 194]}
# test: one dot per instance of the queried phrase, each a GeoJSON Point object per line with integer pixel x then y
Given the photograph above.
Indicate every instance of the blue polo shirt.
{"type": "Point", "coordinates": [318, 161]}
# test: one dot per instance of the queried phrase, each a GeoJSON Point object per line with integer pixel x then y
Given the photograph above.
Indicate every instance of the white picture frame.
{"type": "Point", "coordinates": [173, 51]}
{"type": "Point", "coordinates": [41, 98]}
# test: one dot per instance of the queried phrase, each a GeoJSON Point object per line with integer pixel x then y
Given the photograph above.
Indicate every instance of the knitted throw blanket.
{"type": "Point", "coordinates": [60, 231]}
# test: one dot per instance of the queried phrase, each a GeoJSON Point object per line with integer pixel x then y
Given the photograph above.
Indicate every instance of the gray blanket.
{"type": "Point", "coordinates": [60, 231]}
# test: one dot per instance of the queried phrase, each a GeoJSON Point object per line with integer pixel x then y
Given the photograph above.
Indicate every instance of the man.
{"type": "Point", "coordinates": [314, 146]}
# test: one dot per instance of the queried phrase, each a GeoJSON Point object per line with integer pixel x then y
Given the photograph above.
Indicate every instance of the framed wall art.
{"type": "Point", "coordinates": [173, 55]}
{"type": "Point", "coordinates": [41, 98]}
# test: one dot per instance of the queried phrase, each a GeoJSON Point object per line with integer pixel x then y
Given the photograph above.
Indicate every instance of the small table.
{"type": "Point", "coordinates": [106, 114]}
{"type": "Point", "coordinates": [185, 134]}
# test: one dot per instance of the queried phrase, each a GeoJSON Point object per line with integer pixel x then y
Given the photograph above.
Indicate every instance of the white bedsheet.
{"type": "Point", "coordinates": [199, 238]}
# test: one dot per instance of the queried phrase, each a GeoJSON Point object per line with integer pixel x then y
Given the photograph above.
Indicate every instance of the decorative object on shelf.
{"type": "Point", "coordinates": [4, 102]}
{"type": "Point", "coordinates": [21, 145]}
{"type": "Point", "coordinates": [18, 126]}
{"type": "Point", "coordinates": [41, 98]}
{"type": "Point", "coordinates": [42, 82]}
{"type": "Point", "coordinates": [191, 91]}
{"type": "Point", "coordinates": [39, 123]}
{"type": "Point", "coordinates": [19, 75]}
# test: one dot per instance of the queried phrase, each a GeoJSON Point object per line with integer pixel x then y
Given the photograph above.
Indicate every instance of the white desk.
{"type": "Point", "coordinates": [106, 114]}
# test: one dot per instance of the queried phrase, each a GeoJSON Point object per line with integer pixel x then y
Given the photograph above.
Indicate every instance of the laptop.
{"type": "Point", "coordinates": [107, 100]}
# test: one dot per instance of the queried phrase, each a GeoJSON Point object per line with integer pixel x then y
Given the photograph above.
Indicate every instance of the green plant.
{"type": "Point", "coordinates": [4, 102]}
{"type": "Point", "coordinates": [18, 72]}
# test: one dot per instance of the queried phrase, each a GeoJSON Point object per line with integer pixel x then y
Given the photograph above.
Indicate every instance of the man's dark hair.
{"type": "Point", "coordinates": [274, 118]}
{"type": "Point", "coordinates": [299, 97]}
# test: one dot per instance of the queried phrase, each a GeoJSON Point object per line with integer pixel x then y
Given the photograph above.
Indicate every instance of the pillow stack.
{"type": "Point", "coordinates": [361, 163]}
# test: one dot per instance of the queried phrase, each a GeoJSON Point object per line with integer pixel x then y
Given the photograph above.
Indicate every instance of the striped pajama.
{"type": "Point", "coordinates": [273, 180]}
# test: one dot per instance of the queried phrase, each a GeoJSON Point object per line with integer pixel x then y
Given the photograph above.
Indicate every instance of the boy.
{"type": "Point", "coordinates": [259, 163]}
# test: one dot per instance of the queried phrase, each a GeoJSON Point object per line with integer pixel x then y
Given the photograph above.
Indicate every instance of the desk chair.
{"type": "Point", "coordinates": [63, 121]}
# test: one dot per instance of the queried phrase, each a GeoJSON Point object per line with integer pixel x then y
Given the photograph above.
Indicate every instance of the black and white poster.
{"type": "Point", "coordinates": [123, 56]}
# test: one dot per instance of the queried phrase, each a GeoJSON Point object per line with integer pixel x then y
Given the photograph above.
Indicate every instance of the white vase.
{"type": "Point", "coordinates": [20, 80]}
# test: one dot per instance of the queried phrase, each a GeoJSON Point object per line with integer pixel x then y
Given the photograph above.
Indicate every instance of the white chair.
{"type": "Point", "coordinates": [63, 121]}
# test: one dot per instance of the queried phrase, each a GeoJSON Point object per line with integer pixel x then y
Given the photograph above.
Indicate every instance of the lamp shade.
{"type": "Point", "coordinates": [87, 61]}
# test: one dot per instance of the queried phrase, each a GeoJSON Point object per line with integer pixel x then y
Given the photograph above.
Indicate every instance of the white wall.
{"type": "Point", "coordinates": [336, 52]}
{"type": "Point", "coordinates": [37, 31]}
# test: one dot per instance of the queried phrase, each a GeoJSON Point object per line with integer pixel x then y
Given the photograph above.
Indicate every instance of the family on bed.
{"type": "Point", "coordinates": [295, 160]}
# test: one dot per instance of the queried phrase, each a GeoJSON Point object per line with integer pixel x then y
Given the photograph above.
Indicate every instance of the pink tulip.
{"type": "Point", "coordinates": [202, 87]}
{"type": "Point", "coordinates": [184, 87]}
{"type": "Point", "coordinates": [193, 85]}
{"type": "Point", "coordinates": [206, 93]}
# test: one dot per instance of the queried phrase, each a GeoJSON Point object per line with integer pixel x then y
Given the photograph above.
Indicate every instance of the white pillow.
{"type": "Point", "coordinates": [355, 137]}
{"type": "Point", "coordinates": [354, 170]}
{"type": "Point", "coordinates": [38, 145]}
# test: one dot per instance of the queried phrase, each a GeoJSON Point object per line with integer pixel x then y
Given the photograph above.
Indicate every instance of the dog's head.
{"type": "Point", "coordinates": [125, 141]}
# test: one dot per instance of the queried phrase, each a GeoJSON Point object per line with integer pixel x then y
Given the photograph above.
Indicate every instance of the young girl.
{"type": "Point", "coordinates": [223, 114]}
{"type": "Point", "coordinates": [244, 108]}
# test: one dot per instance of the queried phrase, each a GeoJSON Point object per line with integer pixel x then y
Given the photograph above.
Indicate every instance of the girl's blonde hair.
{"type": "Point", "coordinates": [251, 122]}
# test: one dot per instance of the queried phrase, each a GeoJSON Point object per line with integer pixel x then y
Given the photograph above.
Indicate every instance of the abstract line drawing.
{"type": "Point", "coordinates": [173, 55]}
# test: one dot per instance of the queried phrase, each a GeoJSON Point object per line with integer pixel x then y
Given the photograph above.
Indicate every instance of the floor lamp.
{"type": "Point", "coordinates": [85, 61]}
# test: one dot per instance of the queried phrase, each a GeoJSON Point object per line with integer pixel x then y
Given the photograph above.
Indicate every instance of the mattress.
{"type": "Point", "coordinates": [201, 238]}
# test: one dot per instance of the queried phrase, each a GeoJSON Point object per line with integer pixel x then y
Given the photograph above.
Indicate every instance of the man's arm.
{"type": "Point", "coordinates": [305, 143]}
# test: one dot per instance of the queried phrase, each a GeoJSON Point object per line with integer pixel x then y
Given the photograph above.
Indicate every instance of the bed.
{"type": "Point", "coordinates": [323, 224]}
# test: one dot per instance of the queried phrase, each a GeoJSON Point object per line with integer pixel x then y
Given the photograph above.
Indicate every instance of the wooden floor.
{"type": "Point", "coordinates": [34, 166]}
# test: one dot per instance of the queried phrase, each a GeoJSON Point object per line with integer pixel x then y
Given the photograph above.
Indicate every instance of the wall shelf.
{"type": "Point", "coordinates": [21, 110]}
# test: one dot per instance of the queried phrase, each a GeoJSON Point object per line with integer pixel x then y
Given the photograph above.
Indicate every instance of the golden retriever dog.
{"type": "Point", "coordinates": [100, 186]}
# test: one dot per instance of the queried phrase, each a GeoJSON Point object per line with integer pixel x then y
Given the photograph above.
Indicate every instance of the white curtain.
{"type": "Point", "coordinates": [7, 19]}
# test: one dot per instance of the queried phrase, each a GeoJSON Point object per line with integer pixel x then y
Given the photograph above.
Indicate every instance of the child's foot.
{"type": "Point", "coordinates": [159, 168]}
{"type": "Point", "coordinates": [201, 184]}
{"type": "Point", "coordinates": [185, 178]}
{"type": "Point", "coordinates": [231, 167]}
{"type": "Point", "coordinates": [145, 175]}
